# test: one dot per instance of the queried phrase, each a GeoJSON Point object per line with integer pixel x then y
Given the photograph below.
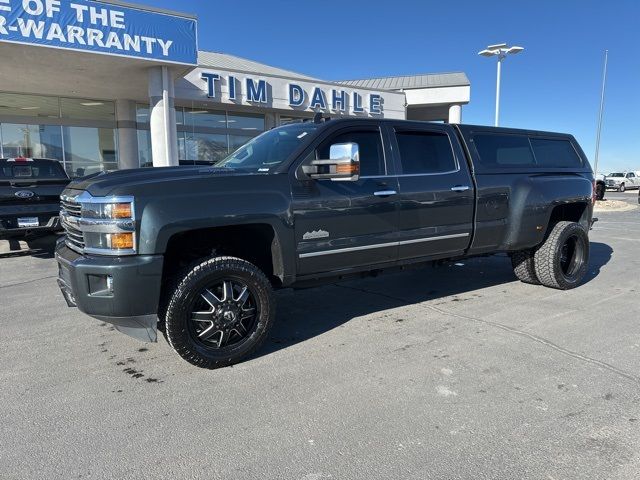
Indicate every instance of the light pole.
{"type": "Point", "coordinates": [604, 86]}
{"type": "Point", "coordinates": [501, 51]}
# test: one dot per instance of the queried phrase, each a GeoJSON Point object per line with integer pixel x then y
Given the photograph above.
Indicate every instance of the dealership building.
{"type": "Point", "coordinates": [104, 85]}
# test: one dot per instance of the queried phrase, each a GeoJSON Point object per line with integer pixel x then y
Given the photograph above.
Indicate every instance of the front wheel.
{"type": "Point", "coordinates": [622, 188]}
{"type": "Point", "coordinates": [562, 260]}
{"type": "Point", "coordinates": [220, 312]}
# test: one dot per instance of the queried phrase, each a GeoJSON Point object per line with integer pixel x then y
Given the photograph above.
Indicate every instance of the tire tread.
{"type": "Point", "coordinates": [524, 268]}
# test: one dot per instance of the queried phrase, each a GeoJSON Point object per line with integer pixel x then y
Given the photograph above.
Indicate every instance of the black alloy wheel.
{"type": "Point", "coordinates": [224, 314]}
{"type": "Point", "coordinates": [220, 312]}
{"type": "Point", "coordinates": [572, 255]}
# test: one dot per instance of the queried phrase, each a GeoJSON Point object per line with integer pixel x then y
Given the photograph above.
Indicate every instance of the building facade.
{"type": "Point", "coordinates": [112, 85]}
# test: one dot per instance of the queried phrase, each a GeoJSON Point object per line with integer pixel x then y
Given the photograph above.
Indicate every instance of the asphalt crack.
{"type": "Point", "coordinates": [515, 331]}
{"type": "Point", "coordinates": [28, 281]}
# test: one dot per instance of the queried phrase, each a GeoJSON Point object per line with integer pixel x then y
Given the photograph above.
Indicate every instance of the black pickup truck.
{"type": "Point", "coordinates": [199, 250]}
{"type": "Point", "coordinates": [30, 195]}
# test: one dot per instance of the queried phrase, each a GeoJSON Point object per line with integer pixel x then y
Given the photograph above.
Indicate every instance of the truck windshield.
{"type": "Point", "coordinates": [616, 174]}
{"type": "Point", "coordinates": [265, 152]}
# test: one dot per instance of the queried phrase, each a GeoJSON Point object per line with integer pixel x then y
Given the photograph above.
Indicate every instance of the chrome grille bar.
{"type": "Point", "coordinates": [71, 209]}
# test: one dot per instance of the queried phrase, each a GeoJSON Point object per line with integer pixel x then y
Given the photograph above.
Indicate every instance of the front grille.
{"type": "Point", "coordinates": [70, 206]}
{"type": "Point", "coordinates": [70, 209]}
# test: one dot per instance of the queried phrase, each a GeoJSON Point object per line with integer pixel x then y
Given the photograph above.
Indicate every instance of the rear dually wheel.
{"type": "Point", "coordinates": [562, 260]}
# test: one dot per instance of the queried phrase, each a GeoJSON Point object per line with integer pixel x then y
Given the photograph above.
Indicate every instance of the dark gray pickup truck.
{"type": "Point", "coordinates": [198, 251]}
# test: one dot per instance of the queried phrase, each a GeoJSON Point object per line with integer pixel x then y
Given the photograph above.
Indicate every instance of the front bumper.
{"type": "Point", "coordinates": [131, 301]}
{"type": "Point", "coordinates": [8, 227]}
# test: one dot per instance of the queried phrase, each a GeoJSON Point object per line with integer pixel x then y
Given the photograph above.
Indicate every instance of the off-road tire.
{"type": "Point", "coordinates": [524, 268]}
{"type": "Point", "coordinates": [189, 286]}
{"type": "Point", "coordinates": [547, 259]}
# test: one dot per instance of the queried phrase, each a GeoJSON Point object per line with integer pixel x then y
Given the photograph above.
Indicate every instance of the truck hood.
{"type": "Point", "coordinates": [104, 183]}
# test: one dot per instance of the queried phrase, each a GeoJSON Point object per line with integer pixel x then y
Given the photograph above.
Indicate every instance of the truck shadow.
{"type": "Point", "coordinates": [304, 314]}
{"type": "Point", "coordinates": [40, 246]}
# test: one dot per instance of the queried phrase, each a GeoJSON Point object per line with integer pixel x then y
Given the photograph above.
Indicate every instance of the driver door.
{"type": "Point", "coordinates": [342, 225]}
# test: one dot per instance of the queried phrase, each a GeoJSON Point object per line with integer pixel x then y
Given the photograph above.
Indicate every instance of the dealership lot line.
{"type": "Point", "coordinates": [454, 372]}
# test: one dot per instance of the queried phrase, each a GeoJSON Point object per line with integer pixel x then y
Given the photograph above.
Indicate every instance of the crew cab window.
{"type": "Point", "coordinates": [630, 175]}
{"type": "Point", "coordinates": [425, 153]}
{"type": "Point", "coordinates": [370, 149]}
{"type": "Point", "coordinates": [555, 153]}
{"type": "Point", "coordinates": [504, 150]}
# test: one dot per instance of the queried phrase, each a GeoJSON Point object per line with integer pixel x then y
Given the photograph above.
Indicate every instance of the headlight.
{"type": "Point", "coordinates": [107, 224]}
{"type": "Point", "coordinates": [107, 210]}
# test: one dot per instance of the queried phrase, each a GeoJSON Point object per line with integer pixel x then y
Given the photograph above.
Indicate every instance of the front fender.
{"type": "Point", "coordinates": [189, 206]}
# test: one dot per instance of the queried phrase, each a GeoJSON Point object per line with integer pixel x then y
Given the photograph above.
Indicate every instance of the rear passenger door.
{"type": "Point", "coordinates": [436, 199]}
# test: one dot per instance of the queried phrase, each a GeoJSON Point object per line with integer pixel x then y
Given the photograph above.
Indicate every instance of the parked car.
{"type": "Point", "coordinates": [30, 191]}
{"type": "Point", "coordinates": [622, 181]}
{"type": "Point", "coordinates": [202, 248]}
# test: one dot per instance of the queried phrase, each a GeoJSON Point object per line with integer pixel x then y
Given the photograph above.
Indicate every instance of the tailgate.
{"type": "Point", "coordinates": [30, 194]}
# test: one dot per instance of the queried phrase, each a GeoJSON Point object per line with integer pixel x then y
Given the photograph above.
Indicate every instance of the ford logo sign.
{"type": "Point", "coordinates": [24, 194]}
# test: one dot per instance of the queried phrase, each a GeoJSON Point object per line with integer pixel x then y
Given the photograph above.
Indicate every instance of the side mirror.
{"type": "Point", "coordinates": [343, 164]}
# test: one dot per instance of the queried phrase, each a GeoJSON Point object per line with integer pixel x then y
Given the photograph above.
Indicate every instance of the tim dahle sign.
{"type": "Point", "coordinates": [99, 27]}
{"type": "Point", "coordinates": [298, 95]}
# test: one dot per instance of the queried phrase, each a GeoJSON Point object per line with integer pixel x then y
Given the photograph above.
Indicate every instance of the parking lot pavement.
{"type": "Point", "coordinates": [450, 372]}
{"type": "Point", "coordinates": [630, 196]}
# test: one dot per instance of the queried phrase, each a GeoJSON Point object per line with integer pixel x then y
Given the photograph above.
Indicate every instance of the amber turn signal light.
{"type": "Point", "coordinates": [122, 241]}
{"type": "Point", "coordinates": [348, 169]}
{"type": "Point", "coordinates": [121, 210]}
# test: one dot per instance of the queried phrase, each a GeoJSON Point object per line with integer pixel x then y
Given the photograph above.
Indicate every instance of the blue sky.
{"type": "Point", "coordinates": [553, 85]}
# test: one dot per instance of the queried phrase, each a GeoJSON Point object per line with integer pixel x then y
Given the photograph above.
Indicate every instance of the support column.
{"type": "Point", "coordinates": [162, 118]}
{"type": "Point", "coordinates": [270, 121]}
{"type": "Point", "coordinates": [127, 134]}
{"type": "Point", "coordinates": [455, 114]}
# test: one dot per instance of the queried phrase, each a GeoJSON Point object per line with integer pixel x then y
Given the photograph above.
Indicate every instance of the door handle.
{"type": "Point", "coordinates": [460, 188]}
{"type": "Point", "coordinates": [385, 193]}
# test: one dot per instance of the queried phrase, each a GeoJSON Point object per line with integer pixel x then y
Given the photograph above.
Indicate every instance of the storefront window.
{"type": "Point", "coordinates": [83, 109]}
{"type": "Point", "coordinates": [89, 150]}
{"type": "Point", "coordinates": [39, 141]}
{"type": "Point", "coordinates": [202, 134]}
{"type": "Point", "coordinates": [204, 119]}
{"type": "Point", "coordinates": [288, 120]}
{"type": "Point", "coordinates": [18, 105]}
{"type": "Point", "coordinates": [145, 154]}
{"type": "Point", "coordinates": [203, 147]}
{"type": "Point", "coordinates": [142, 114]}
{"type": "Point", "coordinates": [246, 122]}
